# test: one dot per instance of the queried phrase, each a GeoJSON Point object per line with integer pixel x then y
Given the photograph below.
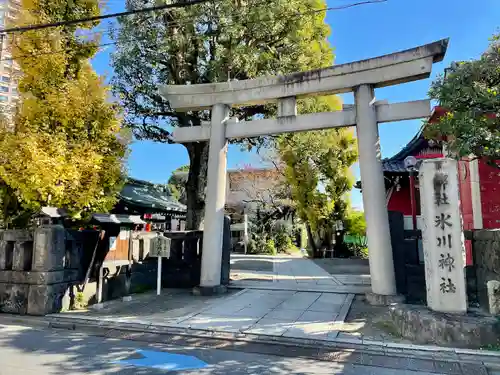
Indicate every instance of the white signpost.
{"type": "Point", "coordinates": [442, 236]}
{"type": "Point", "coordinates": [160, 248]}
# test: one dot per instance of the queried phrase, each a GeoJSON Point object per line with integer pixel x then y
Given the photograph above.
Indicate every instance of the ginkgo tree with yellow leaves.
{"type": "Point", "coordinates": [316, 168]}
{"type": "Point", "coordinates": [64, 145]}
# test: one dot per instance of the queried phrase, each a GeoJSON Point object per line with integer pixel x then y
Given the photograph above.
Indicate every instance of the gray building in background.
{"type": "Point", "coordinates": [9, 69]}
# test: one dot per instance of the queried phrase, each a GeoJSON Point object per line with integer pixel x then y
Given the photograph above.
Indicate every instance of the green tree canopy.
{"type": "Point", "coordinates": [211, 42]}
{"type": "Point", "coordinates": [178, 184]}
{"type": "Point", "coordinates": [64, 145]}
{"type": "Point", "coordinates": [470, 92]}
{"type": "Point", "coordinates": [317, 169]}
{"type": "Point", "coordinates": [356, 223]}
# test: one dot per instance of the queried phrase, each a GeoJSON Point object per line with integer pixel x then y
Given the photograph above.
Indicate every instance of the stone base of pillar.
{"type": "Point", "coordinates": [209, 290]}
{"type": "Point", "coordinates": [423, 326]}
{"type": "Point", "coordinates": [383, 300]}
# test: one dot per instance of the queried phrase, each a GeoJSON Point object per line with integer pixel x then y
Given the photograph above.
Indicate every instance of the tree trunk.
{"type": "Point", "coordinates": [310, 238]}
{"type": "Point", "coordinates": [196, 183]}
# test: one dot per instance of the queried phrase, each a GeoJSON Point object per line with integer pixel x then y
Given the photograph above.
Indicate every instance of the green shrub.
{"type": "Point", "coordinates": [362, 253]}
{"type": "Point", "coordinates": [357, 250]}
{"type": "Point", "coordinates": [270, 247]}
{"type": "Point", "coordinates": [79, 302]}
{"type": "Point", "coordinates": [282, 241]}
{"type": "Point", "coordinates": [256, 245]}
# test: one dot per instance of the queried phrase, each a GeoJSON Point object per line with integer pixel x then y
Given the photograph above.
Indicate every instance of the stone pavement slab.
{"type": "Point", "coordinates": [275, 313]}
{"type": "Point", "coordinates": [310, 315]}
{"type": "Point", "coordinates": [256, 263]}
{"type": "Point", "coordinates": [172, 305]}
{"type": "Point", "coordinates": [300, 287]}
{"type": "Point", "coordinates": [292, 273]}
{"type": "Point", "coordinates": [31, 351]}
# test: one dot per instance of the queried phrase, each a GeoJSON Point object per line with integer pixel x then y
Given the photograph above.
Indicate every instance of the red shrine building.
{"type": "Point", "coordinates": [479, 185]}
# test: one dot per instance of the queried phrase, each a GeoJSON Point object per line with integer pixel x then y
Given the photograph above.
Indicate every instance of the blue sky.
{"type": "Point", "coordinates": [357, 33]}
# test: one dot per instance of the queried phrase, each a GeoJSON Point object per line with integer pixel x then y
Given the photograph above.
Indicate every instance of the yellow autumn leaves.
{"type": "Point", "coordinates": [63, 146]}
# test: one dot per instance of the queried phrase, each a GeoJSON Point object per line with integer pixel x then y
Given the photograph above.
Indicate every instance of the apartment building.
{"type": "Point", "coordinates": [9, 69]}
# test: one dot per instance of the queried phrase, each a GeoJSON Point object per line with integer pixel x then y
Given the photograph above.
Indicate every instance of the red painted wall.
{"type": "Point", "coordinates": [464, 178]}
{"type": "Point", "coordinates": [489, 178]}
{"type": "Point", "coordinates": [400, 201]}
{"type": "Point", "coordinates": [465, 194]}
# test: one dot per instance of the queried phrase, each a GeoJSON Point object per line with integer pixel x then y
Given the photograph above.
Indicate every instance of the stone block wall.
{"type": "Point", "coordinates": [486, 259]}
{"type": "Point", "coordinates": [36, 269]}
{"type": "Point", "coordinates": [39, 268]}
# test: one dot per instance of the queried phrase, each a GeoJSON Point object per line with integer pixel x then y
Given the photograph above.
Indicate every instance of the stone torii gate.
{"type": "Point", "coordinates": [360, 77]}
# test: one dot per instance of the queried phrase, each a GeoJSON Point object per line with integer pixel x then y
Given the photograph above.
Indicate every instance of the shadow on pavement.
{"type": "Point", "coordinates": [29, 351]}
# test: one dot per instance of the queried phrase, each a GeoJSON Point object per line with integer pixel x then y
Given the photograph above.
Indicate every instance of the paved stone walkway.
{"type": "Point", "coordinates": [282, 296]}
{"type": "Point", "coordinates": [307, 315]}
{"type": "Point", "coordinates": [292, 273]}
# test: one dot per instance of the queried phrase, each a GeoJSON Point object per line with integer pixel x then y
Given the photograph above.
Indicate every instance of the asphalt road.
{"type": "Point", "coordinates": [35, 351]}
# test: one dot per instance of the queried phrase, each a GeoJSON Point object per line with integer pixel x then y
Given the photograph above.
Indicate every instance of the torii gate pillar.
{"type": "Point", "coordinates": [374, 199]}
{"type": "Point", "coordinates": [215, 200]}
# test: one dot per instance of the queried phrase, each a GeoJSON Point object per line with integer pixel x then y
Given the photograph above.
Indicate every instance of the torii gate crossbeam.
{"type": "Point", "coordinates": [360, 77]}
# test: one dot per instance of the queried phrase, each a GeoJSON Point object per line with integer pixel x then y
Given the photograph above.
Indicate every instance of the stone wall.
{"type": "Point", "coordinates": [486, 258]}
{"type": "Point", "coordinates": [42, 270]}
{"type": "Point", "coordinates": [182, 270]}
{"type": "Point", "coordinates": [36, 269]}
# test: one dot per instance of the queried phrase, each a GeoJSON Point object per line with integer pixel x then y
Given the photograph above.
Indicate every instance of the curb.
{"type": "Point", "coordinates": [342, 289]}
{"type": "Point", "coordinates": [489, 359]}
{"type": "Point", "coordinates": [368, 347]}
{"type": "Point", "coordinates": [32, 321]}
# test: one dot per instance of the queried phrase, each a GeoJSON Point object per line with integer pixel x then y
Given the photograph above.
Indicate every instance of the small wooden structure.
{"type": "Point", "coordinates": [116, 248]}
{"type": "Point", "coordinates": [50, 216]}
{"type": "Point", "coordinates": [117, 238]}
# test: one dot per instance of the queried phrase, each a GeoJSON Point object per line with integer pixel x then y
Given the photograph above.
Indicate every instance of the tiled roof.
{"type": "Point", "coordinates": [117, 219]}
{"type": "Point", "coordinates": [395, 164]}
{"type": "Point", "coordinates": [148, 195]}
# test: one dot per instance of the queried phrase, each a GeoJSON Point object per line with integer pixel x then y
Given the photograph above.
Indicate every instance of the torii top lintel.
{"type": "Point", "coordinates": [399, 67]}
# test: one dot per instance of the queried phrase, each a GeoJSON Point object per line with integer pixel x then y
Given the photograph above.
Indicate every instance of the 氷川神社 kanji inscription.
{"type": "Point", "coordinates": [442, 236]}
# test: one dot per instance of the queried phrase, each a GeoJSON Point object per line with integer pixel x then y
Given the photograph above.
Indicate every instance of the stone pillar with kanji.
{"type": "Point", "coordinates": [442, 236]}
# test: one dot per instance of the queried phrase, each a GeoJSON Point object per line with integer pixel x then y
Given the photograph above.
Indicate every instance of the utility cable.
{"type": "Point", "coordinates": [175, 24]}
{"type": "Point", "coordinates": [102, 17]}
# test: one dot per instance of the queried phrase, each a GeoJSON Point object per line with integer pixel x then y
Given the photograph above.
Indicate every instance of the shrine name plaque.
{"type": "Point", "coordinates": [442, 236]}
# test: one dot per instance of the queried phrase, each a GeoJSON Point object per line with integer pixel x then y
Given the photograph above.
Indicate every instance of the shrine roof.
{"type": "Point", "coordinates": [148, 195]}
{"type": "Point", "coordinates": [416, 147]}
{"type": "Point", "coordinates": [117, 219]}
{"type": "Point", "coordinates": [395, 164]}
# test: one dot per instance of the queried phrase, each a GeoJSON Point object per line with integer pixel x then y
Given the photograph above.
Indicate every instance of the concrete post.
{"type": "Point", "coordinates": [214, 202]}
{"type": "Point", "coordinates": [374, 199]}
{"type": "Point", "coordinates": [245, 231]}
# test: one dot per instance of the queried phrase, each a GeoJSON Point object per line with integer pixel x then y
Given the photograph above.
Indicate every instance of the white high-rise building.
{"type": "Point", "coordinates": [9, 70]}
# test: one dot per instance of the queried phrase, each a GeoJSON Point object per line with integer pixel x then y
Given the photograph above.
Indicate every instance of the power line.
{"type": "Point", "coordinates": [238, 12]}
{"type": "Point", "coordinates": [190, 21]}
{"type": "Point", "coordinates": [145, 10]}
{"type": "Point", "coordinates": [103, 17]}
{"type": "Point", "coordinates": [169, 26]}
